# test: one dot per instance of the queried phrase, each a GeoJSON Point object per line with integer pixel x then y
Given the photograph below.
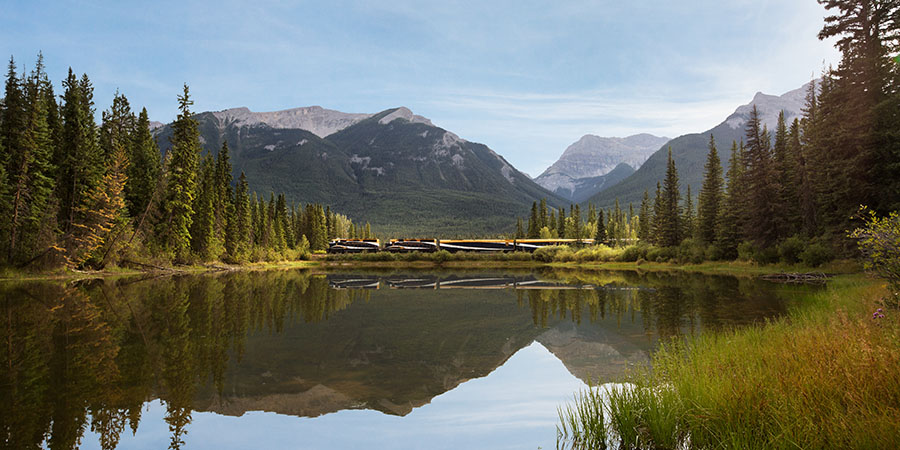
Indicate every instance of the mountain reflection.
{"type": "Point", "coordinates": [88, 355]}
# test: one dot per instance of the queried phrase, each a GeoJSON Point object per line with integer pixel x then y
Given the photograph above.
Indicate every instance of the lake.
{"type": "Point", "coordinates": [295, 359]}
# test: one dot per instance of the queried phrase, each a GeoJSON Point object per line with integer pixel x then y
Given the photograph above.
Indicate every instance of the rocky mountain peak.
{"type": "Point", "coordinates": [769, 106]}
{"type": "Point", "coordinates": [315, 119]}
{"type": "Point", "coordinates": [404, 113]}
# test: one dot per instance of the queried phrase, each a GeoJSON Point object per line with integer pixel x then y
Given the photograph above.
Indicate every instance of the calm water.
{"type": "Point", "coordinates": [290, 359]}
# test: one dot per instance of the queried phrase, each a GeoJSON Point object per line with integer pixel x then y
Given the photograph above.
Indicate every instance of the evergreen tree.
{"type": "Point", "coordinates": [543, 214]}
{"type": "Point", "coordinates": [729, 221]}
{"type": "Point", "coordinates": [600, 236]}
{"type": "Point", "coordinates": [561, 224]}
{"type": "Point", "coordinates": [670, 220]}
{"type": "Point", "coordinates": [578, 227]}
{"type": "Point", "coordinates": [520, 229]}
{"type": "Point", "coordinates": [117, 127]}
{"type": "Point", "coordinates": [760, 218]}
{"type": "Point", "coordinates": [534, 222]}
{"type": "Point", "coordinates": [646, 218]}
{"type": "Point", "coordinates": [144, 166]}
{"type": "Point", "coordinates": [181, 187]}
{"type": "Point", "coordinates": [202, 230]}
{"type": "Point", "coordinates": [30, 173]}
{"type": "Point", "coordinates": [103, 211]}
{"type": "Point", "coordinates": [687, 220]}
{"type": "Point", "coordinates": [243, 217]}
{"type": "Point", "coordinates": [655, 234]}
{"type": "Point", "coordinates": [710, 196]}
{"type": "Point", "coordinates": [80, 158]}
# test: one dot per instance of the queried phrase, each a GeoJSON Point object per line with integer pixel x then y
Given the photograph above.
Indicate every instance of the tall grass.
{"type": "Point", "coordinates": [826, 376]}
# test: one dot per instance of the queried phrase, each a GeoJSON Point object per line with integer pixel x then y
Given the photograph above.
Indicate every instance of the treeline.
{"type": "Point", "coordinates": [791, 190]}
{"type": "Point", "coordinates": [615, 227]}
{"type": "Point", "coordinates": [83, 195]}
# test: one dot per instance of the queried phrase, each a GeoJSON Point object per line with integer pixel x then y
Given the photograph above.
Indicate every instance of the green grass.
{"type": "Point", "coordinates": [825, 376]}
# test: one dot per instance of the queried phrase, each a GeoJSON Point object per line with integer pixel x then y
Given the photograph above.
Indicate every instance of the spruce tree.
{"type": "Point", "coordinates": [202, 231]}
{"type": "Point", "coordinates": [710, 196]}
{"type": "Point", "coordinates": [181, 188]}
{"type": "Point", "coordinates": [117, 126]}
{"type": "Point", "coordinates": [688, 220]}
{"type": "Point", "coordinates": [520, 228]}
{"type": "Point", "coordinates": [728, 225]}
{"type": "Point", "coordinates": [534, 228]}
{"type": "Point", "coordinates": [578, 227]}
{"type": "Point", "coordinates": [600, 236]}
{"type": "Point", "coordinates": [670, 220]}
{"type": "Point", "coordinates": [30, 174]}
{"type": "Point", "coordinates": [144, 166]}
{"type": "Point", "coordinates": [646, 218]}
{"type": "Point", "coordinates": [760, 219]}
{"type": "Point", "coordinates": [655, 234]}
{"type": "Point", "coordinates": [80, 158]}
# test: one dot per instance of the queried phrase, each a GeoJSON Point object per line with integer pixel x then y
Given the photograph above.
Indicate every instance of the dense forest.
{"type": "Point", "coordinates": [798, 188]}
{"type": "Point", "coordinates": [86, 196]}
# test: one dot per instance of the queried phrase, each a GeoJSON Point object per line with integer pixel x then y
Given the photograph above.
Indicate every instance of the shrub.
{"type": "Point", "coordinates": [879, 242]}
{"type": "Point", "coordinates": [789, 251]}
{"type": "Point", "coordinates": [441, 256]}
{"type": "Point", "coordinates": [745, 251]}
{"type": "Point", "coordinates": [553, 253]}
{"type": "Point", "coordinates": [816, 254]}
{"type": "Point", "coordinates": [768, 255]}
{"type": "Point", "coordinates": [598, 253]}
{"type": "Point", "coordinates": [634, 253]}
{"type": "Point", "coordinates": [713, 253]}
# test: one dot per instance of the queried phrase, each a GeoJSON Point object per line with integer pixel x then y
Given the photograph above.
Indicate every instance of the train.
{"type": "Point", "coordinates": [450, 245]}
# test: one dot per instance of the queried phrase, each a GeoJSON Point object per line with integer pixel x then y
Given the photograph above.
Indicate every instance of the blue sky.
{"type": "Point", "coordinates": [527, 78]}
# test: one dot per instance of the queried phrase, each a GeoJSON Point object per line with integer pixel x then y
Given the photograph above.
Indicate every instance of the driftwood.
{"type": "Point", "coordinates": [798, 278]}
{"type": "Point", "coordinates": [150, 266]}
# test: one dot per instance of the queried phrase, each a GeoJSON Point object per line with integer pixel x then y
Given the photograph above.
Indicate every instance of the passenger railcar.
{"type": "Point", "coordinates": [477, 245]}
{"type": "Point", "coordinates": [354, 245]}
{"type": "Point", "coordinates": [530, 245]}
{"type": "Point", "coordinates": [411, 245]}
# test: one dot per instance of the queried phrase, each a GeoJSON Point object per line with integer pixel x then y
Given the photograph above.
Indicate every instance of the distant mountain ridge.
{"type": "Point", "coordinates": [574, 174]}
{"type": "Point", "coordinates": [689, 151]}
{"type": "Point", "coordinates": [394, 168]}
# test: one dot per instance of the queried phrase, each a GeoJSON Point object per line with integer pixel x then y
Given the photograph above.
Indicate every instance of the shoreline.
{"type": "Point", "coordinates": [733, 268]}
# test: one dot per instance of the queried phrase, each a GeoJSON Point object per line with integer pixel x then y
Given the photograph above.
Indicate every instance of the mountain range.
{"type": "Point", "coordinates": [689, 151]}
{"type": "Point", "coordinates": [394, 169]}
{"type": "Point", "coordinates": [594, 163]}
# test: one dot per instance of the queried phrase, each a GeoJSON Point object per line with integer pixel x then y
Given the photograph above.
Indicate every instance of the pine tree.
{"type": "Point", "coordinates": [520, 228]}
{"type": "Point", "coordinates": [243, 218]}
{"type": "Point", "coordinates": [646, 218]}
{"type": "Point", "coordinates": [30, 172]}
{"type": "Point", "coordinates": [144, 166]}
{"type": "Point", "coordinates": [729, 222]}
{"type": "Point", "coordinates": [760, 219]}
{"type": "Point", "coordinates": [655, 235]}
{"type": "Point", "coordinates": [578, 227]}
{"type": "Point", "coordinates": [688, 220]}
{"type": "Point", "coordinates": [202, 230]}
{"type": "Point", "coordinates": [102, 212]}
{"type": "Point", "coordinates": [181, 189]}
{"type": "Point", "coordinates": [80, 158]}
{"type": "Point", "coordinates": [561, 224]}
{"type": "Point", "coordinates": [670, 220]}
{"type": "Point", "coordinates": [600, 237]}
{"type": "Point", "coordinates": [534, 222]}
{"type": "Point", "coordinates": [543, 214]}
{"type": "Point", "coordinates": [710, 196]}
{"type": "Point", "coordinates": [117, 127]}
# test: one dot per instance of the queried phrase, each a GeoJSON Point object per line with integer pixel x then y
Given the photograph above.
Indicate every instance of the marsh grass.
{"type": "Point", "coordinates": [825, 376]}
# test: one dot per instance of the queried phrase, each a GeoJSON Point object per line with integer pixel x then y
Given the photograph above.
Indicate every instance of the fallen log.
{"type": "Point", "coordinates": [796, 277]}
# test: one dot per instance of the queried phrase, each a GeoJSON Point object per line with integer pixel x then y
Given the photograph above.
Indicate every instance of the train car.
{"type": "Point", "coordinates": [477, 245]}
{"type": "Point", "coordinates": [354, 245]}
{"type": "Point", "coordinates": [530, 245]}
{"type": "Point", "coordinates": [411, 245]}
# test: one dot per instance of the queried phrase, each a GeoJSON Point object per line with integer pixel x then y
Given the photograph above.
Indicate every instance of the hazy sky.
{"type": "Point", "coordinates": [527, 78]}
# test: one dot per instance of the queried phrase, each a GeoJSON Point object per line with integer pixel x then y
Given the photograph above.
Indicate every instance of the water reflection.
{"type": "Point", "coordinates": [89, 355]}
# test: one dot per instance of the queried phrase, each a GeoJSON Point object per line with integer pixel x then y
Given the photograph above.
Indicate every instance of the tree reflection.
{"type": "Point", "coordinates": [90, 354]}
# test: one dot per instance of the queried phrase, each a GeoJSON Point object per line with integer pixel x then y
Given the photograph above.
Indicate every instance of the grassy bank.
{"type": "Point", "coordinates": [825, 376]}
{"type": "Point", "coordinates": [64, 273]}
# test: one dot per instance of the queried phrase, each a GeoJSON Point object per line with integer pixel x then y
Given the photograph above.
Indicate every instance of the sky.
{"type": "Point", "coordinates": [527, 78]}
